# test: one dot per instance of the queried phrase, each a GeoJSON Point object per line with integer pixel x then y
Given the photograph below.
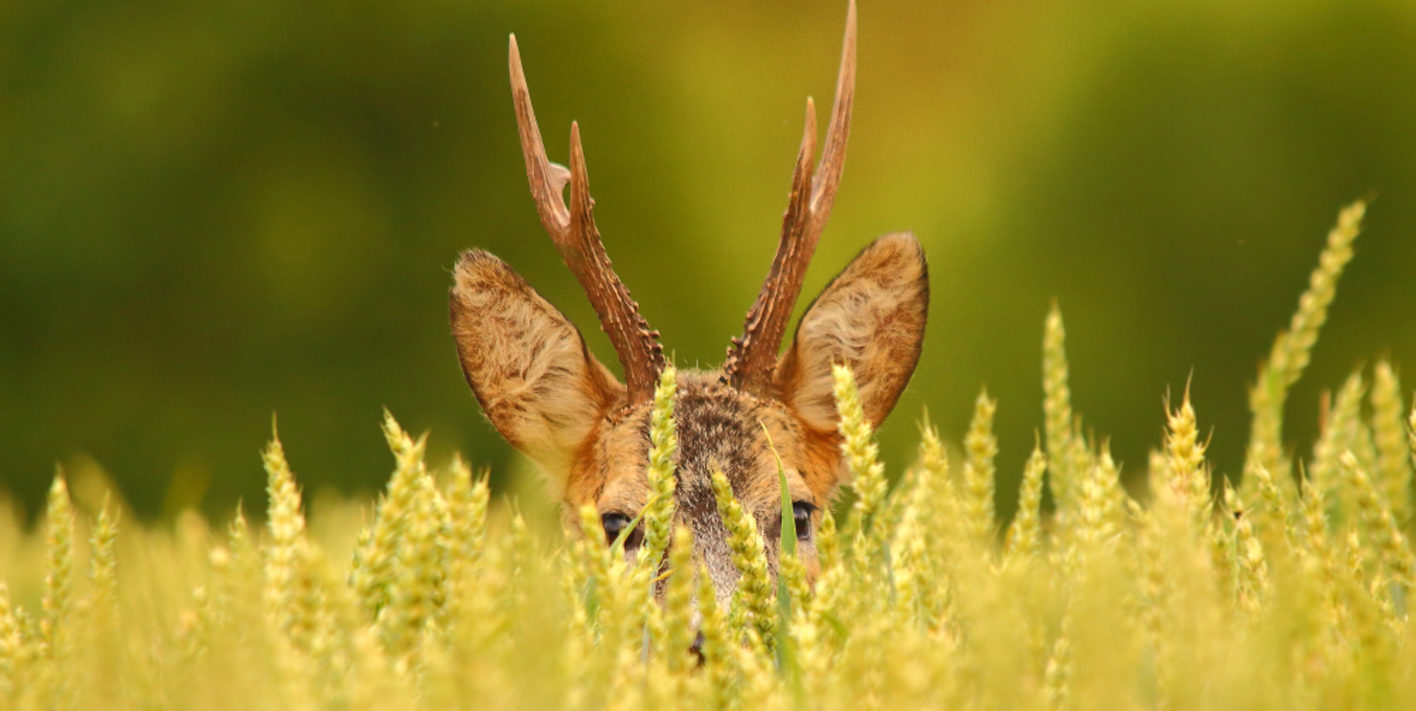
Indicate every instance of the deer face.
{"type": "Point", "coordinates": [549, 397]}
{"type": "Point", "coordinates": [719, 428]}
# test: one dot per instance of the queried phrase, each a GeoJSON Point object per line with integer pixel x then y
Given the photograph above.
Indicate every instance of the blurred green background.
{"type": "Point", "coordinates": [214, 211]}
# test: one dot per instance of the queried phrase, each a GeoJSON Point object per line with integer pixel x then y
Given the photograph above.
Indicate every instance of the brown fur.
{"type": "Point", "coordinates": [548, 396]}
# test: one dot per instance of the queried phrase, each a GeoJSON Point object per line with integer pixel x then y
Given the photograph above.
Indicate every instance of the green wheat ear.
{"type": "Point", "coordinates": [663, 446]}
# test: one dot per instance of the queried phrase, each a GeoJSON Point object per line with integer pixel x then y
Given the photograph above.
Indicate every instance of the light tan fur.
{"type": "Point", "coordinates": [870, 318]}
{"type": "Point", "coordinates": [526, 362]}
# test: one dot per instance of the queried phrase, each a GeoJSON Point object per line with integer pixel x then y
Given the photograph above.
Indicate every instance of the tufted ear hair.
{"type": "Point", "coordinates": [527, 364]}
{"type": "Point", "coordinates": [870, 317]}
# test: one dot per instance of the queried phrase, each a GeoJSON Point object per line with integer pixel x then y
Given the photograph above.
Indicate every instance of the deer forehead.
{"type": "Point", "coordinates": [718, 427]}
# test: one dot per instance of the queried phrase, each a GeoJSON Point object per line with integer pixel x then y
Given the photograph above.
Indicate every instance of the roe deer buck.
{"type": "Point", "coordinates": [549, 397]}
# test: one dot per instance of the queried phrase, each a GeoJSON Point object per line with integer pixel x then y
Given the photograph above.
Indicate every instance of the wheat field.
{"type": "Point", "coordinates": [1285, 587]}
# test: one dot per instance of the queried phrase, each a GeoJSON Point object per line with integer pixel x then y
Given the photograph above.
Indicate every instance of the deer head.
{"type": "Point", "coordinates": [549, 397]}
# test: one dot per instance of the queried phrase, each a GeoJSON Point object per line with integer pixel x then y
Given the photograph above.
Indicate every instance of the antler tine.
{"type": "Point", "coordinates": [546, 184]}
{"type": "Point", "coordinates": [572, 229]}
{"type": "Point", "coordinates": [833, 156]}
{"type": "Point", "coordinates": [752, 357]}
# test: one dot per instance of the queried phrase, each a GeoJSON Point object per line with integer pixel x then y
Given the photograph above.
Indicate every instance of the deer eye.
{"type": "Point", "coordinates": [801, 518]}
{"type": "Point", "coordinates": [615, 525]}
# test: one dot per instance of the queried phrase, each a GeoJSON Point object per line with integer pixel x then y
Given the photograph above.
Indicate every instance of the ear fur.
{"type": "Point", "coordinates": [527, 364]}
{"type": "Point", "coordinates": [870, 317]}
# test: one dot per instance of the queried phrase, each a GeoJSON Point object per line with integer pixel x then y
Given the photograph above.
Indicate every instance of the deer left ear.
{"type": "Point", "coordinates": [539, 385]}
{"type": "Point", "coordinates": [870, 317]}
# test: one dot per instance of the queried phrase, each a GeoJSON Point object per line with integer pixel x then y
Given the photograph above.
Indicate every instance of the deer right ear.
{"type": "Point", "coordinates": [527, 364]}
{"type": "Point", "coordinates": [870, 318]}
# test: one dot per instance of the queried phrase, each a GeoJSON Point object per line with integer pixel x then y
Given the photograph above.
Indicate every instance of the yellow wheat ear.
{"type": "Point", "coordinates": [1393, 469]}
{"type": "Point", "coordinates": [754, 602]}
{"type": "Point", "coordinates": [1057, 409]}
{"type": "Point", "coordinates": [1380, 526]}
{"type": "Point", "coordinates": [1411, 433]}
{"type": "Point", "coordinates": [859, 448]}
{"type": "Point", "coordinates": [979, 471]}
{"type": "Point", "coordinates": [1185, 454]}
{"type": "Point", "coordinates": [59, 566]}
{"type": "Point", "coordinates": [466, 544]}
{"type": "Point", "coordinates": [1251, 569]}
{"type": "Point", "coordinates": [1270, 596]}
{"type": "Point", "coordinates": [1293, 348]}
{"type": "Point", "coordinates": [285, 553]}
{"type": "Point", "coordinates": [1025, 532]}
{"type": "Point", "coordinates": [12, 646]}
{"type": "Point", "coordinates": [679, 628]}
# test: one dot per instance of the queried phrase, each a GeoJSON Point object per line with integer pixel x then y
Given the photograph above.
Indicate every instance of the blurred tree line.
{"type": "Point", "coordinates": [212, 212]}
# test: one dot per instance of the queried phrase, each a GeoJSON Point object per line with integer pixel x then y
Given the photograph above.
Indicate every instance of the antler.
{"type": "Point", "coordinates": [752, 357]}
{"type": "Point", "coordinates": [573, 231]}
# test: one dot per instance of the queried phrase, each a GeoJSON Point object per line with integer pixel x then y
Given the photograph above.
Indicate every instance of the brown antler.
{"type": "Point", "coordinates": [752, 357]}
{"type": "Point", "coordinates": [573, 231]}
